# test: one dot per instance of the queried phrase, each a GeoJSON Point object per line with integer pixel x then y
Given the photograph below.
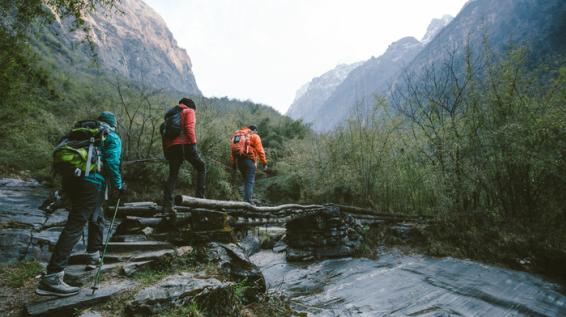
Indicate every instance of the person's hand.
{"type": "Point", "coordinates": [123, 190]}
{"type": "Point", "coordinates": [265, 167]}
{"type": "Point", "coordinates": [119, 192]}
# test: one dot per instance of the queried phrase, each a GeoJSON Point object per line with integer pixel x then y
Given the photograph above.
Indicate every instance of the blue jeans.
{"type": "Point", "coordinates": [247, 168]}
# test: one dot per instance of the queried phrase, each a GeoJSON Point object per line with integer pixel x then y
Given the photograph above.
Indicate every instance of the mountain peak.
{"type": "Point", "coordinates": [435, 26]}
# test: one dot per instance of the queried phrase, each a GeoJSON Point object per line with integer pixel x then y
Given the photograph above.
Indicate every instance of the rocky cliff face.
{"type": "Point", "coordinates": [539, 25]}
{"type": "Point", "coordinates": [434, 27]}
{"type": "Point", "coordinates": [133, 42]}
{"type": "Point", "coordinates": [363, 84]}
{"type": "Point", "coordinates": [311, 96]}
{"type": "Point", "coordinates": [329, 106]}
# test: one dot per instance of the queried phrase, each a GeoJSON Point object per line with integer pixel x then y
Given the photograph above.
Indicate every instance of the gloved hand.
{"type": "Point", "coordinates": [119, 192]}
{"type": "Point", "coordinates": [265, 168]}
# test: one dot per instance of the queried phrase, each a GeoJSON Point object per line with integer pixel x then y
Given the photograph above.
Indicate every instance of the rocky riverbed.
{"type": "Point", "coordinates": [408, 285]}
{"type": "Point", "coordinates": [225, 278]}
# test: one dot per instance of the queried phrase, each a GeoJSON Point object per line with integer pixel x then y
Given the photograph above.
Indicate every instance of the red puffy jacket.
{"type": "Point", "coordinates": [188, 133]}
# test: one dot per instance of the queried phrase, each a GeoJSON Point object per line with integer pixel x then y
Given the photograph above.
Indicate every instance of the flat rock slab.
{"type": "Point", "coordinates": [65, 306]}
{"type": "Point", "coordinates": [19, 202]}
{"type": "Point", "coordinates": [139, 246]}
{"type": "Point", "coordinates": [14, 244]}
{"type": "Point", "coordinates": [129, 269]}
{"type": "Point", "coordinates": [174, 291]}
{"type": "Point", "coordinates": [56, 219]}
{"type": "Point", "coordinates": [77, 275]}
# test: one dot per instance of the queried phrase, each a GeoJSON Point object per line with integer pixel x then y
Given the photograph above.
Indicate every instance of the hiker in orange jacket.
{"type": "Point", "coordinates": [245, 150]}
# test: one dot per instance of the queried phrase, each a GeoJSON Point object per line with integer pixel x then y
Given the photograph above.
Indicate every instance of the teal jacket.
{"type": "Point", "coordinates": [111, 159]}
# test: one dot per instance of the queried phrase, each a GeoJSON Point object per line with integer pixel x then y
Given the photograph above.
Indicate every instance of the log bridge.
{"type": "Point", "coordinates": [243, 214]}
{"type": "Point", "coordinates": [219, 217]}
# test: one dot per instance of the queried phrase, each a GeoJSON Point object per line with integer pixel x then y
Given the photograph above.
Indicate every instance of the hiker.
{"type": "Point", "coordinates": [179, 144]}
{"type": "Point", "coordinates": [245, 149]}
{"type": "Point", "coordinates": [86, 192]}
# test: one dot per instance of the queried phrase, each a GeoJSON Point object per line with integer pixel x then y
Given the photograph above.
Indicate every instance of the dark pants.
{"type": "Point", "coordinates": [86, 206]}
{"type": "Point", "coordinates": [176, 154]}
{"type": "Point", "coordinates": [247, 168]}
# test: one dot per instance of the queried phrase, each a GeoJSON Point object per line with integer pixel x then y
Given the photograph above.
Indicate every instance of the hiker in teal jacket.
{"type": "Point", "coordinates": [111, 153]}
{"type": "Point", "coordinates": [86, 194]}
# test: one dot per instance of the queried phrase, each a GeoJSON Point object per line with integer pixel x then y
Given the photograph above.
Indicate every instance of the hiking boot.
{"type": "Point", "coordinates": [93, 261]}
{"type": "Point", "coordinates": [52, 284]}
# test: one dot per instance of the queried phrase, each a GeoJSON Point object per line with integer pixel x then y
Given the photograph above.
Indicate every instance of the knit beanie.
{"type": "Point", "coordinates": [108, 117]}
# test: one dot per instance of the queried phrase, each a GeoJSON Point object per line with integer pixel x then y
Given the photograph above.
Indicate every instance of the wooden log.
{"type": "Point", "coordinates": [141, 204]}
{"type": "Point", "coordinates": [368, 212]}
{"type": "Point", "coordinates": [189, 201]}
{"type": "Point", "coordinates": [138, 211]}
{"type": "Point", "coordinates": [143, 221]}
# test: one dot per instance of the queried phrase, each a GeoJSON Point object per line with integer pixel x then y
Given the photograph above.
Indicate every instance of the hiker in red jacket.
{"type": "Point", "coordinates": [183, 147]}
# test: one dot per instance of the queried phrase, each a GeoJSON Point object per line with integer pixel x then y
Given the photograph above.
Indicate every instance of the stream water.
{"type": "Point", "coordinates": [409, 285]}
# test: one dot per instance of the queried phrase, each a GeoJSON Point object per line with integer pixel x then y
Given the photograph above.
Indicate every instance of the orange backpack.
{"type": "Point", "coordinates": [240, 143]}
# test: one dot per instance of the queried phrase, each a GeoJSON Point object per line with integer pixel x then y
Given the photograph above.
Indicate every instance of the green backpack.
{"type": "Point", "coordinates": [79, 152]}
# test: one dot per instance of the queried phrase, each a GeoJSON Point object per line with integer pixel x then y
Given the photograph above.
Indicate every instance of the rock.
{"type": "Point", "coordinates": [22, 218]}
{"type": "Point", "coordinates": [232, 261]}
{"type": "Point", "coordinates": [181, 251]}
{"type": "Point", "coordinates": [280, 246]}
{"type": "Point", "coordinates": [116, 247]}
{"type": "Point", "coordinates": [129, 238]}
{"type": "Point", "coordinates": [223, 236]}
{"type": "Point", "coordinates": [77, 275]}
{"type": "Point", "coordinates": [66, 306]}
{"type": "Point", "coordinates": [57, 219]}
{"type": "Point", "coordinates": [250, 244]}
{"type": "Point", "coordinates": [299, 255]}
{"type": "Point", "coordinates": [269, 236]}
{"type": "Point", "coordinates": [154, 255]}
{"type": "Point", "coordinates": [207, 220]}
{"type": "Point", "coordinates": [324, 234]}
{"type": "Point", "coordinates": [174, 291]}
{"type": "Point", "coordinates": [90, 313]}
{"type": "Point", "coordinates": [14, 244]}
{"type": "Point", "coordinates": [19, 202]}
{"type": "Point", "coordinates": [129, 269]}
{"type": "Point", "coordinates": [147, 231]}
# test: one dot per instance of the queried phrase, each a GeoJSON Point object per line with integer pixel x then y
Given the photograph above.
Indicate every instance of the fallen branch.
{"type": "Point", "coordinates": [193, 202]}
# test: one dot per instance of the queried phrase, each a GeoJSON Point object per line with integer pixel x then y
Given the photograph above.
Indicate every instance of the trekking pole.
{"type": "Point", "coordinates": [97, 275]}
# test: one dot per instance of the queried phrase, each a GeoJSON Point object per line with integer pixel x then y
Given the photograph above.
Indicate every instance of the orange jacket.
{"type": "Point", "coordinates": [188, 133]}
{"type": "Point", "coordinates": [256, 146]}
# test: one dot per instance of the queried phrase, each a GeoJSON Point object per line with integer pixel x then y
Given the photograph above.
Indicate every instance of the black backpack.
{"type": "Point", "coordinates": [171, 127]}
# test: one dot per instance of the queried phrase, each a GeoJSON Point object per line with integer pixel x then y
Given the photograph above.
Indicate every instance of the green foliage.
{"type": "Point", "coordinates": [487, 138]}
{"type": "Point", "coordinates": [15, 275]}
{"type": "Point", "coordinates": [240, 289]}
{"type": "Point", "coordinates": [190, 310]}
{"type": "Point", "coordinates": [150, 276]}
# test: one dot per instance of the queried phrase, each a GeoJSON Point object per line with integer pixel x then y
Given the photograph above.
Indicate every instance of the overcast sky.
{"type": "Point", "coordinates": [264, 50]}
